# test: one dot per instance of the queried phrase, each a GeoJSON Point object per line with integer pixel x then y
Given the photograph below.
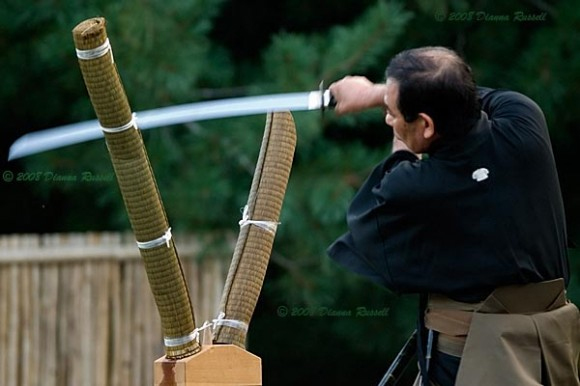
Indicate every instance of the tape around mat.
{"type": "Point", "coordinates": [233, 323]}
{"type": "Point", "coordinates": [127, 126]}
{"type": "Point", "coordinates": [173, 342]}
{"type": "Point", "coordinates": [165, 239]}
{"type": "Point", "coordinates": [94, 53]}
{"type": "Point", "coordinates": [194, 335]}
{"type": "Point", "coordinates": [269, 226]}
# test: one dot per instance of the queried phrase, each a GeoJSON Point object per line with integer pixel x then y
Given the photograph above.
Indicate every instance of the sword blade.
{"type": "Point", "coordinates": [50, 139]}
{"type": "Point", "coordinates": [401, 362]}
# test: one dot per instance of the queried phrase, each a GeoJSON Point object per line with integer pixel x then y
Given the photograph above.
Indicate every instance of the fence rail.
{"type": "Point", "coordinates": [76, 309]}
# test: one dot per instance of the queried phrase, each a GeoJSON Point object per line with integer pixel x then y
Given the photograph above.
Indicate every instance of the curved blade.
{"type": "Point", "coordinates": [40, 141]}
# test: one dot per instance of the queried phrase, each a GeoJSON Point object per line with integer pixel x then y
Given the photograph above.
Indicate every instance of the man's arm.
{"type": "Point", "coordinates": [356, 93]}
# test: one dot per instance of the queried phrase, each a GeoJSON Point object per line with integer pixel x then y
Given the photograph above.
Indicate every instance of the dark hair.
{"type": "Point", "coordinates": [437, 82]}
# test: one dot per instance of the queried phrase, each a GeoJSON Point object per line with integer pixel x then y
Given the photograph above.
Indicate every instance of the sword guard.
{"type": "Point", "coordinates": [327, 100]}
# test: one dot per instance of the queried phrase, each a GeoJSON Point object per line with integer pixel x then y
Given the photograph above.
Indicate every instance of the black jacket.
{"type": "Point", "coordinates": [478, 213]}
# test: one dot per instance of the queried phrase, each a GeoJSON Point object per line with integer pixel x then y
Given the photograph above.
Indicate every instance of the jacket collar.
{"type": "Point", "coordinates": [449, 149]}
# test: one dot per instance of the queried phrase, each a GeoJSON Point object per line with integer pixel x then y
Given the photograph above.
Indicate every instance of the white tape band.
{"type": "Point", "coordinates": [269, 226]}
{"type": "Point", "coordinates": [165, 239]}
{"type": "Point", "coordinates": [127, 126]}
{"type": "Point", "coordinates": [194, 335]}
{"type": "Point", "coordinates": [233, 323]}
{"type": "Point", "coordinates": [94, 53]}
{"type": "Point", "coordinates": [173, 342]}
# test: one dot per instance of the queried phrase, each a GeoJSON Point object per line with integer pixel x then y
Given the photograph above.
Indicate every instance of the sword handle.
{"type": "Point", "coordinates": [327, 100]}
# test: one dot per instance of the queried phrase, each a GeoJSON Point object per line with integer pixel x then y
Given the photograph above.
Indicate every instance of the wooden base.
{"type": "Point", "coordinates": [213, 365]}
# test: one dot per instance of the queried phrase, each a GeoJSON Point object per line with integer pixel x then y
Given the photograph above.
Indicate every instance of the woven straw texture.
{"type": "Point", "coordinates": [138, 188]}
{"type": "Point", "coordinates": [254, 246]}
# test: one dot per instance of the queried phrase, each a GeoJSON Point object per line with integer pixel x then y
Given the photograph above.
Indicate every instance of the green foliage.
{"type": "Point", "coordinates": [574, 287]}
{"type": "Point", "coordinates": [322, 183]}
{"type": "Point", "coordinates": [342, 50]}
{"type": "Point", "coordinates": [367, 43]}
{"type": "Point", "coordinates": [549, 72]}
{"type": "Point", "coordinates": [163, 55]}
{"type": "Point", "coordinates": [164, 52]}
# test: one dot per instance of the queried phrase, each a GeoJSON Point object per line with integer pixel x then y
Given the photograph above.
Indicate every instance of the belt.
{"type": "Point", "coordinates": [452, 319]}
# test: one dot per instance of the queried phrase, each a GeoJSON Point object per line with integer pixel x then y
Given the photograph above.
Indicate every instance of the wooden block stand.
{"type": "Point", "coordinates": [213, 365]}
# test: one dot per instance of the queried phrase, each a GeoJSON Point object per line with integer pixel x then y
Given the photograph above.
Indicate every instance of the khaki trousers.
{"type": "Point", "coordinates": [520, 335]}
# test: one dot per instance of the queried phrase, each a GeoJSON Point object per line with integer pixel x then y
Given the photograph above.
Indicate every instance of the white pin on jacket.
{"type": "Point", "coordinates": [480, 174]}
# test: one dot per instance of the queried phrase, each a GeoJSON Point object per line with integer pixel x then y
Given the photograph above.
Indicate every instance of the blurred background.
{"type": "Point", "coordinates": [314, 321]}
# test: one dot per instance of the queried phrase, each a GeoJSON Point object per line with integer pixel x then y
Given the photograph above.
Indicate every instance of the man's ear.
{"type": "Point", "coordinates": [427, 125]}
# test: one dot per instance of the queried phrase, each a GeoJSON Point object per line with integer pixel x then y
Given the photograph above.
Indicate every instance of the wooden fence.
{"type": "Point", "coordinates": [77, 309]}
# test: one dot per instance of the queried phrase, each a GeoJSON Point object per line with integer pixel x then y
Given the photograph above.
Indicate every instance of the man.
{"type": "Point", "coordinates": [475, 226]}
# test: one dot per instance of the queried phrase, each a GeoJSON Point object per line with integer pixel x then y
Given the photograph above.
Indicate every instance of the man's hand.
{"type": "Point", "coordinates": [356, 93]}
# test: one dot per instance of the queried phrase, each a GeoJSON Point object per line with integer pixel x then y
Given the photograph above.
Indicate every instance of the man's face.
{"type": "Point", "coordinates": [413, 134]}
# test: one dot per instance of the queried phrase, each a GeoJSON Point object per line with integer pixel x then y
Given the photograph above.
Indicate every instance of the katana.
{"type": "Point", "coordinates": [50, 139]}
{"type": "Point", "coordinates": [401, 362]}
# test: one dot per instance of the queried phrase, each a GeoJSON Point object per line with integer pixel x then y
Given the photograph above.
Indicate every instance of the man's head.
{"type": "Point", "coordinates": [431, 94]}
